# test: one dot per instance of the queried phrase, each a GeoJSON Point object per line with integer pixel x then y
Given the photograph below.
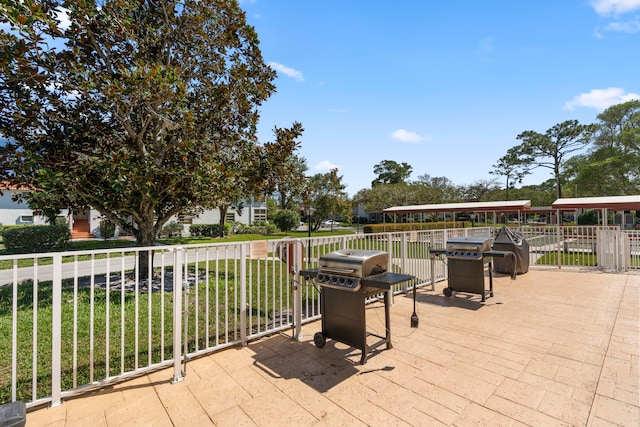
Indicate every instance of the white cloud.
{"type": "Point", "coordinates": [614, 7]}
{"type": "Point", "coordinates": [325, 165]}
{"type": "Point", "coordinates": [407, 136]}
{"type": "Point", "coordinates": [287, 71]}
{"type": "Point", "coordinates": [63, 16]}
{"type": "Point", "coordinates": [624, 27]}
{"type": "Point", "coordinates": [600, 99]}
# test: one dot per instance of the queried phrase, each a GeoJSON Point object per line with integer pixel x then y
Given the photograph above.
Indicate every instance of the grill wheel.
{"type": "Point", "coordinates": [319, 340]}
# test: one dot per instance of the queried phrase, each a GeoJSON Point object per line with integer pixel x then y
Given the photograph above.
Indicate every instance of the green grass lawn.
{"type": "Point", "coordinates": [216, 302]}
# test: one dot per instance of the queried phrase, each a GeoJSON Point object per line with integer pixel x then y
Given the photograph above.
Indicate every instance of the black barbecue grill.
{"type": "Point", "coordinates": [347, 278]}
{"type": "Point", "coordinates": [467, 258]}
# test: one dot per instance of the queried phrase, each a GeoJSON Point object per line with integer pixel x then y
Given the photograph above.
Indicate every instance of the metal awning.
{"type": "Point", "coordinates": [502, 206]}
{"type": "Point", "coordinates": [617, 203]}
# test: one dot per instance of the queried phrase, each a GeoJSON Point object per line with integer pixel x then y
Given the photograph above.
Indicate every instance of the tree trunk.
{"type": "Point", "coordinates": [223, 214]}
{"type": "Point", "coordinates": [145, 236]}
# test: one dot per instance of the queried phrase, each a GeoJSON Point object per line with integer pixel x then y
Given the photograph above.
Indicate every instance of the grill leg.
{"type": "Point", "coordinates": [490, 281]}
{"type": "Point", "coordinates": [387, 318]}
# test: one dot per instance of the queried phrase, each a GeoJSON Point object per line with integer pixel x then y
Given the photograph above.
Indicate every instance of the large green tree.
{"type": "Point", "coordinates": [425, 190]}
{"type": "Point", "coordinates": [327, 197]}
{"type": "Point", "coordinates": [512, 168]}
{"type": "Point", "coordinates": [391, 172]}
{"type": "Point", "coordinates": [612, 165]}
{"type": "Point", "coordinates": [551, 149]}
{"type": "Point", "coordinates": [292, 187]}
{"type": "Point", "coordinates": [142, 109]}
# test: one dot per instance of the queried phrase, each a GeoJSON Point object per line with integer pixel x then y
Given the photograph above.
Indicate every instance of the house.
{"type": "Point", "coordinates": [14, 213]}
{"type": "Point", "coordinates": [86, 224]}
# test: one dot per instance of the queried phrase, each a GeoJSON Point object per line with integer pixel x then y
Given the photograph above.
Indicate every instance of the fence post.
{"type": "Point", "coordinates": [390, 258]}
{"type": "Point", "coordinates": [178, 260]}
{"type": "Point", "coordinates": [298, 254]}
{"type": "Point", "coordinates": [56, 331]}
{"type": "Point", "coordinates": [559, 245]}
{"type": "Point", "coordinates": [404, 254]}
{"type": "Point", "coordinates": [244, 254]}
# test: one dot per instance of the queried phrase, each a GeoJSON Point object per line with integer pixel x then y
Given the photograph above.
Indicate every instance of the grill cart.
{"type": "Point", "coordinates": [347, 278]}
{"type": "Point", "coordinates": [466, 259]}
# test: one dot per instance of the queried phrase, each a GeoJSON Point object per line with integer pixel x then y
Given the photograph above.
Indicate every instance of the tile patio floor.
{"type": "Point", "coordinates": [553, 347]}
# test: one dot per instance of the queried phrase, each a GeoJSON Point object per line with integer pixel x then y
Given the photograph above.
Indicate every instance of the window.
{"type": "Point", "coordinates": [184, 219]}
{"type": "Point", "coordinates": [260, 215]}
{"type": "Point", "coordinates": [231, 216]}
{"type": "Point", "coordinates": [26, 219]}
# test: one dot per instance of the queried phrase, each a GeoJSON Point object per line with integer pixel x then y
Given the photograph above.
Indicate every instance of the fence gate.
{"type": "Point", "coordinates": [610, 250]}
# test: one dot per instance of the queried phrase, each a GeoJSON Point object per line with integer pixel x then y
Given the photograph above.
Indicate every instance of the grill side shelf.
{"type": "Point", "coordinates": [385, 280]}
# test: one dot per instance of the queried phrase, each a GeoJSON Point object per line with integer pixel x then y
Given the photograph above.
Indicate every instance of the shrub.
{"type": "Point", "coordinates": [172, 229]}
{"type": "Point", "coordinates": [271, 229]}
{"type": "Point", "coordinates": [107, 229]}
{"type": "Point", "coordinates": [381, 228]}
{"type": "Point", "coordinates": [36, 238]}
{"type": "Point", "coordinates": [287, 220]}
{"type": "Point", "coordinates": [588, 218]}
{"type": "Point", "coordinates": [205, 230]}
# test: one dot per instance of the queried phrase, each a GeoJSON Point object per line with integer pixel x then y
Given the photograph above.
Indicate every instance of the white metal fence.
{"type": "Point", "coordinates": [74, 320]}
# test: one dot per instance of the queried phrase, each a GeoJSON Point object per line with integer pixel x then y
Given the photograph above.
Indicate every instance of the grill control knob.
{"type": "Point", "coordinates": [349, 282]}
{"type": "Point", "coordinates": [341, 280]}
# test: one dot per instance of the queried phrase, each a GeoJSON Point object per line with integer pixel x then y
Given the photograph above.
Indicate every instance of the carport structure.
{"type": "Point", "coordinates": [604, 204]}
{"type": "Point", "coordinates": [518, 207]}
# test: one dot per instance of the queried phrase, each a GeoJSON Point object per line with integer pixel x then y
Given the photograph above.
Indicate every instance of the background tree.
{"type": "Point", "coordinates": [142, 110]}
{"type": "Point", "coordinates": [292, 187]}
{"type": "Point", "coordinates": [259, 174]}
{"type": "Point", "coordinates": [512, 168]}
{"type": "Point", "coordinates": [481, 191]}
{"type": "Point", "coordinates": [612, 165]}
{"type": "Point", "coordinates": [438, 189]}
{"type": "Point", "coordinates": [327, 197]}
{"type": "Point", "coordinates": [425, 190]}
{"type": "Point", "coordinates": [551, 149]}
{"type": "Point", "coordinates": [391, 172]}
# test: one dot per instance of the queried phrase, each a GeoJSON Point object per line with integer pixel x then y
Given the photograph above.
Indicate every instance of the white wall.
{"type": "Point", "coordinates": [10, 211]}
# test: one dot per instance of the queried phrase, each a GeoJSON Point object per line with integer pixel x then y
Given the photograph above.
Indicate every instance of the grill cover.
{"type": "Point", "coordinates": [511, 240]}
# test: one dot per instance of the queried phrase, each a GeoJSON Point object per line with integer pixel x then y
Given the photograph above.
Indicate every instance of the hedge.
{"type": "Point", "coordinates": [36, 238]}
{"type": "Point", "coordinates": [382, 228]}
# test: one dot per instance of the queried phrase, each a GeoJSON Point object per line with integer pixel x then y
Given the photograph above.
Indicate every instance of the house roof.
{"type": "Point", "coordinates": [503, 206]}
{"type": "Point", "coordinates": [621, 203]}
{"type": "Point", "coordinates": [5, 185]}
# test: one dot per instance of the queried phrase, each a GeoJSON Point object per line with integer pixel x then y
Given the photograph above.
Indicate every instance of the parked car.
{"type": "Point", "coordinates": [329, 223]}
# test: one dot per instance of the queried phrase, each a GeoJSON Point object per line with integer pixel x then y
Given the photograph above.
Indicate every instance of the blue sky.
{"type": "Point", "coordinates": [445, 86]}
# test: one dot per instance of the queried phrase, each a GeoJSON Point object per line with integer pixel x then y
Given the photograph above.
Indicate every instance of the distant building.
{"type": "Point", "coordinates": [85, 224]}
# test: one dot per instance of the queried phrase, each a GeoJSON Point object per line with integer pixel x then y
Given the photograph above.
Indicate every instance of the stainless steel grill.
{"type": "Point", "coordinates": [467, 258]}
{"type": "Point", "coordinates": [347, 278]}
{"type": "Point", "coordinates": [344, 269]}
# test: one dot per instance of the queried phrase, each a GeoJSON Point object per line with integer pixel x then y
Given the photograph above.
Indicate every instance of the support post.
{"type": "Point", "coordinates": [298, 254]}
{"type": "Point", "coordinates": [178, 260]}
{"type": "Point", "coordinates": [56, 331]}
{"type": "Point", "coordinates": [244, 255]}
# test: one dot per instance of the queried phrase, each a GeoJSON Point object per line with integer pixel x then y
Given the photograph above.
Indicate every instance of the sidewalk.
{"type": "Point", "coordinates": [551, 348]}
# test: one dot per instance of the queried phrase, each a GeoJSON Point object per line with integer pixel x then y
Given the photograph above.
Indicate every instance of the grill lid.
{"type": "Point", "coordinates": [354, 262]}
{"type": "Point", "coordinates": [469, 244]}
